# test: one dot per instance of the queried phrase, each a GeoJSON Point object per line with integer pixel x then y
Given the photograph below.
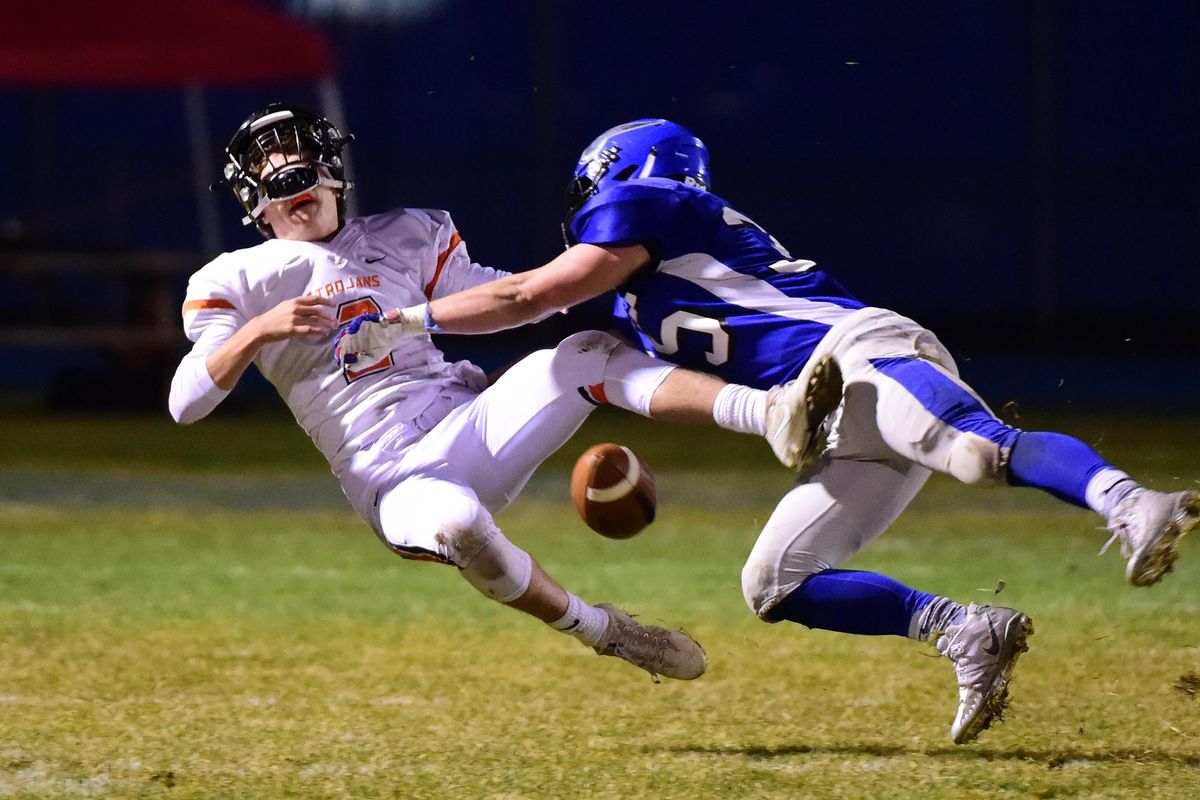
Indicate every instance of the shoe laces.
{"type": "Point", "coordinates": [639, 642]}
{"type": "Point", "coordinates": [970, 666]}
{"type": "Point", "coordinates": [1122, 525]}
{"type": "Point", "coordinates": [952, 645]}
{"type": "Point", "coordinates": [950, 641]}
{"type": "Point", "coordinates": [1118, 532]}
{"type": "Point", "coordinates": [640, 645]}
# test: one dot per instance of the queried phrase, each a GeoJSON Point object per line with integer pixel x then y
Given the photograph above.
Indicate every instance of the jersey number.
{"type": "Point", "coordinates": [667, 341]}
{"type": "Point", "coordinates": [348, 311]}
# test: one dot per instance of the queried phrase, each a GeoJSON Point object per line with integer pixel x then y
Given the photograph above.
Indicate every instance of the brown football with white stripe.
{"type": "Point", "coordinates": [614, 490]}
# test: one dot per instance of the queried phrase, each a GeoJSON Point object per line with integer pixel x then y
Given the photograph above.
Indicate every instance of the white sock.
{"type": "Point", "coordinates": [741, 409]}
{"type": "Point", "coordinates": [1107, 488]}
{"type": "Point", "coordinates": [935, 619]}
{"type": "Point", "coordinates": [583, 621]}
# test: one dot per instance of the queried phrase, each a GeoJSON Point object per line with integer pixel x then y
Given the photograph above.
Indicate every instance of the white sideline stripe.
{"type": "Point", "coordinates": [622, 487]}
{"type": "Point", "coordinates": [743, 290]}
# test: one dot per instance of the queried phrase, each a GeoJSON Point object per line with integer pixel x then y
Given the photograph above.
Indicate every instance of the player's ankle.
{"type": "Point", "coordinates": [585, 622]}
{"type": "Point", "coordinates": [935, 618]}
{"type": "Point", "coordinates": [741, 409]}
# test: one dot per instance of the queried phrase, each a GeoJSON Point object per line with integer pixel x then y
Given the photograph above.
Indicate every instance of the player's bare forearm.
{"type": "Point", "coordinates": [495, 306]}
{"type": "Point", "coordinates": [581, 273]}
{"type": "Point", "coordinates": [578, 274]}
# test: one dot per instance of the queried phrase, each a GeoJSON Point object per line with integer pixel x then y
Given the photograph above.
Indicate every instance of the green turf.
{"type": "Point", "coordinates": [195, 613]}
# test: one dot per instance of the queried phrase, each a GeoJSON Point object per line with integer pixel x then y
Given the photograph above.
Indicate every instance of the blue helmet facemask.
{"type": "Point", "coordinates": [644, 148]}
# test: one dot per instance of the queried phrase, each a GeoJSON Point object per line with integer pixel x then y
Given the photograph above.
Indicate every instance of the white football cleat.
{"type": "Point", "coordinates": [796, 410]}
{"type": "Point", "coordinates": [657, 650]}
{"type": "Point", "coordinates": [984, 648]}
{"type": "Point", "coordinates": [1149, 525]}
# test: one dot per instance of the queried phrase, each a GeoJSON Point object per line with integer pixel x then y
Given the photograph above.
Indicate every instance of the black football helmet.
{"type": "Point", "coordinates": [312, 146]}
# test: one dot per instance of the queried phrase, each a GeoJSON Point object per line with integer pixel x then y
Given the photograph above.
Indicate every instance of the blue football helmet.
{"type": "Point", "coordinates": [644, 148]}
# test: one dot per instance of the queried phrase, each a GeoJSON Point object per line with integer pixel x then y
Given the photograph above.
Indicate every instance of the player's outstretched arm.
{"type": "Point", "coordinates": [208, 373]}
{"type": "Point", "coordinates": [578, 274]}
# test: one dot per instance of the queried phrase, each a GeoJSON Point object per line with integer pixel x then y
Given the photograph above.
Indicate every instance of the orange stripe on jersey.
{"type": "Point", "coordinates": [596, 390]}
{"type": "Point", "coordinates": [455, 241]}
{"type": "Point", "coordinates": [201, 305]}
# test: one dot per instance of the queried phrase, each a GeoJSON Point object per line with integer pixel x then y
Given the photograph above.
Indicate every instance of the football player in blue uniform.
{"type": "Point", "coordinates": [705, 287]}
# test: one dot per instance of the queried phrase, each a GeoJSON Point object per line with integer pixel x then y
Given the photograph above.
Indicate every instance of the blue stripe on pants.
{"type": "Point", "coordinates": [945, 399]}
{"type": "Point", "coordinates": [1053, 462]}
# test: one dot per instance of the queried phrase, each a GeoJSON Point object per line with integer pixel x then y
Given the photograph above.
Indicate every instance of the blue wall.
{"type": "Point", "coordinates": [1021, 176]}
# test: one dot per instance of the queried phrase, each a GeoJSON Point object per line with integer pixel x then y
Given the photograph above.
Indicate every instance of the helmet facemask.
{"type": "Point", "coordinates": [281, 153]}
{"type": "Point", "coordinates": [645, 148]}
{"type": "Point", "coordinates": [585, 183]}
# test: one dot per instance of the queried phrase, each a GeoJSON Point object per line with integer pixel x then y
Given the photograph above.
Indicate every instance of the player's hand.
{"type": "Point", "coordinates": [309, 315]}
{"type": "Point", "coordinates": [366, 338]}
{"type": "Point", "coordinates": [370, 337]}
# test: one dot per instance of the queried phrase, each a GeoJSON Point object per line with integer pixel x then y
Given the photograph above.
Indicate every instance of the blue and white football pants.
{"type": "Point", "coordinates": [904, 414]}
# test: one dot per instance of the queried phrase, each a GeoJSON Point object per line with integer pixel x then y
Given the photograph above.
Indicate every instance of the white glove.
{"type": "Point", "coordinates": [369, 337]}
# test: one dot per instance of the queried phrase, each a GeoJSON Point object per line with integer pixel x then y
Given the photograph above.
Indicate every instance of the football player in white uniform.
{"type": "Point", "coordinates": [707, 288]}
{"type": "Point", "coordinates": [423, 452]}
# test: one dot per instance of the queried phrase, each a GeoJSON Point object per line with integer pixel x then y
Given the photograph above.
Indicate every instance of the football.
{"type": "Point", "coordinates": [613, 490]}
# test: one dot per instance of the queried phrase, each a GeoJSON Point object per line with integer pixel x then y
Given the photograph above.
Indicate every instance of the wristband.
{"type": "Point", "coordinates": [430, 324]}
{"type": "Point", "coordinates": [413, 321]}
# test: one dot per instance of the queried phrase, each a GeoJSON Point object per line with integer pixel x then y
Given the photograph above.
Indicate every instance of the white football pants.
{"type": "Point", "coordinates": [436, 498]}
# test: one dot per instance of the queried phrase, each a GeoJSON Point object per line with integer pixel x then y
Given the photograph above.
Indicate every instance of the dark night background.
{"type": "Point", "coordinates": [1022, 177]}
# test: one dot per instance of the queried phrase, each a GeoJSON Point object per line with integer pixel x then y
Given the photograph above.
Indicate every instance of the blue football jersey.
{"type": "Point", "coordinates": [721, 296]}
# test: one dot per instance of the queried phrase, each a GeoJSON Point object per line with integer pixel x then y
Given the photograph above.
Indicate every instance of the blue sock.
{"type": "Point", "coordinates": [1055, 463]}
{"type": "Point", "coordinates": [851, 601]}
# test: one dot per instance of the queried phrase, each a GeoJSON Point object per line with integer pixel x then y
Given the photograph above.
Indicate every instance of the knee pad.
{"type": "Point", "coordinates": [577, 363]}
{"type": "Point", "coordinates": [499, 569]}
{"type": "Point", "coordinates": [758, 586]}
{"type": "Point", "coordinates": [585, 353]}
{"type": "Point", "coordinates": [973, 459]}
{"type": "Point", "coordinates": [437, 521]}
{"type": "Point", "coordinates": [765, 583]}
{"type": "Point", "coordinates": [589, 342]}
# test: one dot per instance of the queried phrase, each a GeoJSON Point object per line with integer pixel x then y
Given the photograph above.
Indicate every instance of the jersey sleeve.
{"type": "Point", "coordinates": [634, 212]}
{"type": "Point", "coordinates": [454, 270]}
{"type": "Point", "coordinates": [212, 313]}
{"type": "Point", "coordinates": [212, 305]}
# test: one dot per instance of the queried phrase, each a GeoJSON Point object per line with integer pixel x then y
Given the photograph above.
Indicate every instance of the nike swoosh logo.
{"type": "Point", "coordinates": [373, 260]}
{"type": "Point", "coordinates": [994, 649]}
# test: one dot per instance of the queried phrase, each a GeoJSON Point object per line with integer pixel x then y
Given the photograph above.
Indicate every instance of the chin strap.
{"type": "Point", "coordinates": [263, 202]}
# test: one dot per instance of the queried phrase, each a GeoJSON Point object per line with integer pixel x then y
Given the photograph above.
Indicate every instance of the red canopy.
{"type": "Point", "coordinates": [156, 43]}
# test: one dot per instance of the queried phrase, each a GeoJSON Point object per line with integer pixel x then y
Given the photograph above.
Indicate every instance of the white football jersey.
{"type": "Point", "coordinates": [401, 258]}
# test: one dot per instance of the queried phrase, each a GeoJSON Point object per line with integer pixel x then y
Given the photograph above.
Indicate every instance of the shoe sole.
{"type": "Point", "coordinates": [822, 393]}
{"type": "Point", "coordinates": [1148, 567]}
{"type": "Point", "coordinates": [1015, 641]}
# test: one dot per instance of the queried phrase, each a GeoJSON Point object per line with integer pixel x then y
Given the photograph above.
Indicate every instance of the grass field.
{"type": "Point", "coordinates": [196, 613]}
